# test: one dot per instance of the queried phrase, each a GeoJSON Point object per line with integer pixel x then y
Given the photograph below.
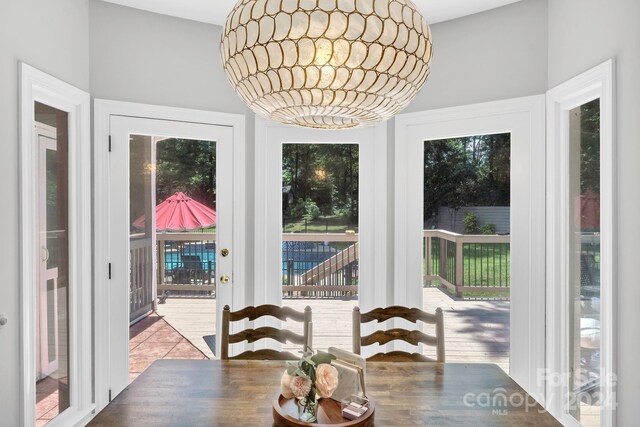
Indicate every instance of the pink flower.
{"type": "Point", "coordinates": [326, 380]}
{"type": "Point", "coordinates": [300, 386]}
{"type": "Point", "coordinates": [284, 385]}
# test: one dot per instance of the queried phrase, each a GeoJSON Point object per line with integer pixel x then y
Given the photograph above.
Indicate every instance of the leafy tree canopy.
{"type": "Point", "coordinates": [325, 174]}
{"type": "Point", "coordinates": [469, 171]}
{"type": "Point", "coordinates": [189, 166]}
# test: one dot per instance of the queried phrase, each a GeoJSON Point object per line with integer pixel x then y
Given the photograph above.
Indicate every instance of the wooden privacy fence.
{"type": "Point", "coordinates": [468, 263]}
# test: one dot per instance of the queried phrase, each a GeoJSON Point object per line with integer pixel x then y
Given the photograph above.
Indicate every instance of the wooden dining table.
{"type": "Point", "coordinates": [240, 394]}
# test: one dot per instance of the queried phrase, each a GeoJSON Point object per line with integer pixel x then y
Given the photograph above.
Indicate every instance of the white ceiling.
{"type": "Point", "coordinates": [215, 11]}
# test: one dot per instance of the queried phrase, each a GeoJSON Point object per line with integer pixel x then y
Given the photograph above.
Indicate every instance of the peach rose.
{"type": "Point", "coordinates": [326, 380]}
{"type": "Point", "coordinates": [300, 386]}
{"type": "Point", "coordinates": [284, 385]}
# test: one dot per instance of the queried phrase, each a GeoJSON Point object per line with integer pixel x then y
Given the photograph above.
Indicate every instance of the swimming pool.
{"type": "Point", "coordinates": [297, 257]}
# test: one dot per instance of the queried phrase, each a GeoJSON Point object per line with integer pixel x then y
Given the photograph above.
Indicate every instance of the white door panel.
{"type": "Point", "coordinates": [121, 128]}
{"type": "Point", "coordinates": [523, 118]}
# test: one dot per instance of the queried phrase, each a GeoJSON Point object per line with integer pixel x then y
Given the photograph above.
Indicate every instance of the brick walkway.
{"type": "Point", "coordinates": [152, 339]}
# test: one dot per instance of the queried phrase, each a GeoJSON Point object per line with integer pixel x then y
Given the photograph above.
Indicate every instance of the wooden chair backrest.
{"type": "Point", "coordinates": [413, 337]}
{"type": "Point", "coordinates": [253, 335]}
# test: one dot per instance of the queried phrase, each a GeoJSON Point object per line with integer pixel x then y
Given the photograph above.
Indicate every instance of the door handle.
{"type": "Point", "coordinates": [224, 252]}
{"type": "Point", "coordinates": [3, 320]}
{"type": "Point", "coordinates": [224, 279]}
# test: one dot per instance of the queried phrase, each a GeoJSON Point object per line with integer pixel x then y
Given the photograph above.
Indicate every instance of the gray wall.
{"type": "Point", "coordinates": [582, 34]}
{"type": "Point", "coordinates": [145, 57]}
{"type": "Point", "coordinates": [498, 54]}
{"type": "Point", "coordinates": [53, 37]}
{"type": "Point", "coordinates": [449, 219]}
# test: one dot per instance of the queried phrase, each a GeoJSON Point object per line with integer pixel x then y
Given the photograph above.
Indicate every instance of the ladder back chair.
{"type": "Point", "coordinates": [253, 335]}
{"type": "Point", "coordinates": [414, 337]}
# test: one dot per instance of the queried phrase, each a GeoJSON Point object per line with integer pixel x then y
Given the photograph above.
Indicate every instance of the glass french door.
{"type": "Point", "coordinates": [52, 294]}
{"type": "Point", "coordinates": [146, 259]}
{"type": "Point", "coordinates": [47, 298]}
{"type": "Point", "coordinates": [581, 385]}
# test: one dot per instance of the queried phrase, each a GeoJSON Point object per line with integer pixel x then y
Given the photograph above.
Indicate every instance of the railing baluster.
{"type": "Point", "coordinates": [478, 268]}
{"type": "Point", "coordinates": [459, 277]}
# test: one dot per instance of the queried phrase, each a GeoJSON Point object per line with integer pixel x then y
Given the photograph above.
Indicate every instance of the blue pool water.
{"type": "Point", "coordinates": [304, 255]}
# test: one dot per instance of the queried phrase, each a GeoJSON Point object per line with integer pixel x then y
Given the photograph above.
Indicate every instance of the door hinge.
{"type": "Point", "coordinates": [109, 395]}
{"type": "Point", "coordinates": [109, 143]}
{"type": "Point", "coordinates": [109, 270]}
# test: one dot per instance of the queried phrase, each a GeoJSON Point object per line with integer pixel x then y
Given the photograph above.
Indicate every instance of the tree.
{"type": "Point", "coordinates": [469, 171]}
{"type": "Point", "coordinates": [326, 174]}
{"type": "Point", "coordinates": [186, 165]}
{"type": "Point", "coordinates": [590, 147]}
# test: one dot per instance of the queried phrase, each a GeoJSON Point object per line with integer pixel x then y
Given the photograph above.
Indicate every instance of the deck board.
{"type": "Point", "coordinates": [475, 330]}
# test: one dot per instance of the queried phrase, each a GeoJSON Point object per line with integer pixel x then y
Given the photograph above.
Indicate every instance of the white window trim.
{"type": "Point", "coordinates": [103, 110]}
{"type": "Point", "coordinates": [524, 118]}
{"type": "Point", "coordinates": [595, 83]}
{"type": "Point", "coordinates": [372, 210]}
{"type": "Point", "coordinates": [36, 86]}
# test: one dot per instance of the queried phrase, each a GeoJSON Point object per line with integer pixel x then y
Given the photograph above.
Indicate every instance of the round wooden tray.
{"type": "Point", "coordinates": [285, 414]}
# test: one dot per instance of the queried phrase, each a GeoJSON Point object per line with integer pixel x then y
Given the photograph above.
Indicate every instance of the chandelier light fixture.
{"type": "Point", "coordinates": [329, 64]}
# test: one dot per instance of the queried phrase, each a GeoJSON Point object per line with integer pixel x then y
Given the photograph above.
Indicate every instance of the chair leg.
{"type": "Point", "coordinates": [224, 345]}
{"type": "Point", "coordinates": [355, 332]}
{"type": "Point", "coordinates": [440, 334]}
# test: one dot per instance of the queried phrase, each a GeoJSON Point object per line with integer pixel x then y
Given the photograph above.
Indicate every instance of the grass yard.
{"type": "Point", "coordinates": [326, 224]}
{"type": "Point", "coordinates": [486, 264]}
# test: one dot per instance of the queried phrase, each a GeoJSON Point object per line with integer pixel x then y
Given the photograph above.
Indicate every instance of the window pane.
{"type": "Point", "coordinates": [52, 287]}
{"type": "Point", "coordinates": [466, 243]}
{"type": "Point", "coordinates": [320, 250]}
{"type": "Point", "coordinates": [584, 321]}
{"type": "Point", "coordinates": [172, 184]}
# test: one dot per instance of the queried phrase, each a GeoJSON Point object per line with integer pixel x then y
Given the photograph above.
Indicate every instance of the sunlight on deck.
{"type": "Point", "coordinates": [475, 330]}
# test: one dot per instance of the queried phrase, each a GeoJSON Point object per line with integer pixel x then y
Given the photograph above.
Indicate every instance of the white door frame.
{"type": "Point", "coordinates": [372, 291]}
{"type": "Point", "coordinates": [36, 86]}
{"type": "Point", "coordinates": [103, 111]}
{"type": "Point", "coordinates": [524, 119]}
{"type": "Point", "coordinates": [593, 84]}
{"type": "Point", "coordinates": [121, 127]}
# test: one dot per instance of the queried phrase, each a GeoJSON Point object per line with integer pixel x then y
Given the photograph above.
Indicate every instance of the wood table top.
{"type": "Point", "coordinates": [240, 394]}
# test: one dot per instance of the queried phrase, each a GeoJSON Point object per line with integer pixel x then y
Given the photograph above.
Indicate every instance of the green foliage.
{"type": "Point", "coordinates": [312, 211]}
{"type": "Point", "coordinates": [299, 209]}
{"type": "Point", "coordinates": [590, 147]}
{"type": "Point", "coordinates": [189, 166]}
{"type": "Point", "coordinates": [470, 171]}
{"type": "Point", "coordinates": [305, 209]}
{"type": "Point", "coordinates": [488, 229]}
{"type": "Point", "coordinates": [471, 224]}
{"type": "Point", "coordinates": [306, 366]}
{"type": "Point", "coordinates": [322, 357]}
{"type": "Point", "coordinates": [325, 174]}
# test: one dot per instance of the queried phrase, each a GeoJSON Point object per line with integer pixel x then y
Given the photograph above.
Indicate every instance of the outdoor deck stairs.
{"type": "Point", "coordinates": [324, 270]}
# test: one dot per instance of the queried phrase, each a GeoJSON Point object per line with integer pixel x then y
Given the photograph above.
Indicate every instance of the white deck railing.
{"type": "Point", "coordinates": [467, 263]}
{"type": "Point", "coordinates": [324, 264]}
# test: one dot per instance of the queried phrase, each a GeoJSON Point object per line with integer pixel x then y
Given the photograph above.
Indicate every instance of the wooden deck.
{"type": "Point", "coordinates": [475, 330]}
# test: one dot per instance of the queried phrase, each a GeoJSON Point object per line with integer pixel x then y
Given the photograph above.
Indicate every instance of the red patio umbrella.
{"type": "Point", "coordinates": [180, 212]}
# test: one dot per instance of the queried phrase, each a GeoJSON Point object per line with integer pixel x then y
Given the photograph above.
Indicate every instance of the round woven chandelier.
{"type": "Point", "coordinates": [330, 64]}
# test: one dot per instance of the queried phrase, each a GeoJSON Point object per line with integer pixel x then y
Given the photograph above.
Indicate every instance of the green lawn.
{"type": "Point", "coordinates": [487, 264]}
{"type": "Point", "coordinates": [326, 224]}
{"type": "Point", "coordinates": [484, 265]}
